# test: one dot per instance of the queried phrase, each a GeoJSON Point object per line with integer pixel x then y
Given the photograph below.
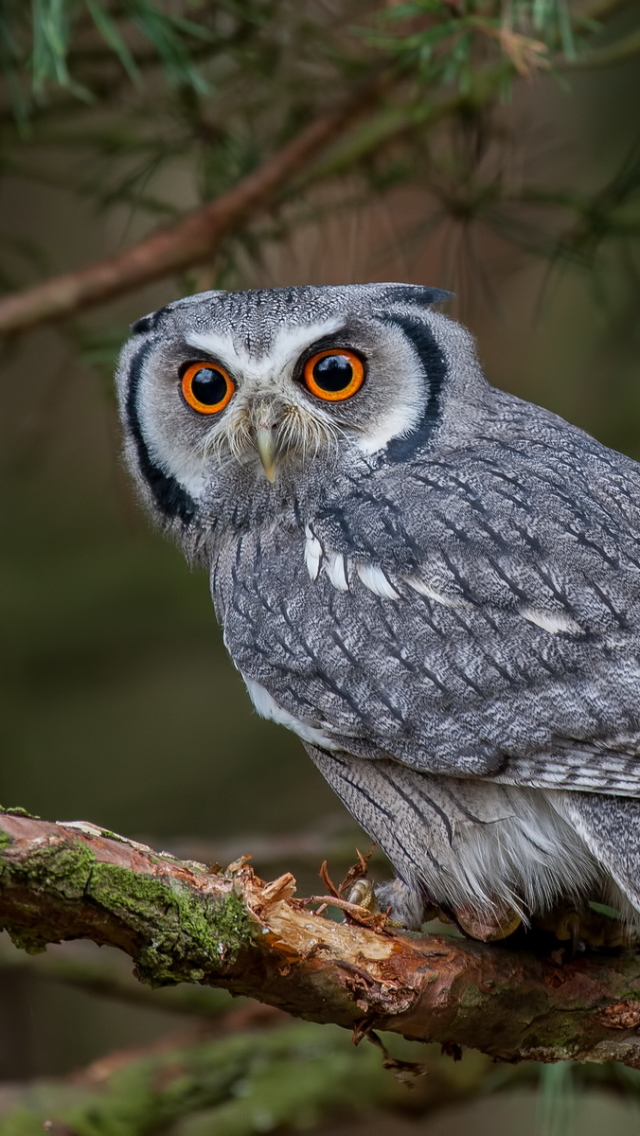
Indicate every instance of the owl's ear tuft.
{"type": "Point", "coordinates": [146, 323]}
{"type": "Point", "coordinates": [413, 294]}
{"type": "Point", "coordinates": [151, 321]}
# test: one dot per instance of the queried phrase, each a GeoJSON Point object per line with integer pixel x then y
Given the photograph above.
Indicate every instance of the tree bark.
{"type": "Point", "coordinates": [182, 922]}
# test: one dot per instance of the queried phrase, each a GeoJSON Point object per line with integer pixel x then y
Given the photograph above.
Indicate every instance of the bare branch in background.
{"type": "Point", "coordinates": [617, 52]}
{"type": "Point", "coordinates": [223, 1084]}
{"type": "Point", "coordinates": [331, 838]}
{"type": "Point", "coordinates": [100, 977]}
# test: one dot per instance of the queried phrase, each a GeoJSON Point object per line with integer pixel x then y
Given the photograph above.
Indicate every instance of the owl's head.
{"type": "Point", "coordinates": [248, 393]}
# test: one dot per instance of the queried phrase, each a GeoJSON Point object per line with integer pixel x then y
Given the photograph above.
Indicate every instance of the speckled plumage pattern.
{"type": "Point", "coordinates": [440, 592]}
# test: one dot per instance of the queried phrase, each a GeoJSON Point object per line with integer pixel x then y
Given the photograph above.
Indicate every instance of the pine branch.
{"type": "Point", "coordinates": [197, 237]}
{"type": "Point", "coordinates": [183, 923]}
{"type": "Point", "coordinates": [617, 52]}
{"type": "Point", "coordinates": [189, 241]}
{"type": "Point", "coordinates": [255, 1072]}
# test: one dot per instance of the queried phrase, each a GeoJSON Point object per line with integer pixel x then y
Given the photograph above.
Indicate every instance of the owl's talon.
{"type": "Point", "coordinates": [489, 926]}
{"type": "Point", "coordinates": [572, 922]}
{"type": "Point", "coordinates": [363, 893]}
{"type": "Point", "coordinates": [583, 927]}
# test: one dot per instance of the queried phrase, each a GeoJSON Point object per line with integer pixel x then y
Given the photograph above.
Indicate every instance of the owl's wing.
{"type": "Point", "coordinates": [609, 827]}
{"type": "Point", "coordinates": [479, 614]}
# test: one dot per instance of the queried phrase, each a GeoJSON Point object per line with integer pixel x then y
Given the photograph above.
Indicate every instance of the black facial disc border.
{"type": "Point", "coordinates": [435, 368]}
{"type": "Point", "coordinates": [170, 497]}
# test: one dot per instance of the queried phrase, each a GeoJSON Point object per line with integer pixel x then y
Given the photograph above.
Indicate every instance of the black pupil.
{"type": "Point", "coordinates": [333, 372]}
{"type": "Point", "coordinates": [209, 386]}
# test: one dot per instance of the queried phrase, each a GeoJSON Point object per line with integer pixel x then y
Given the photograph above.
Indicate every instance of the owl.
{"type": "Point", "coordinates": [434, 584]}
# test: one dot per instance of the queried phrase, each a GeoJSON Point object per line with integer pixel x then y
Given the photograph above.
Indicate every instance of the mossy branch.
{"type": "Point", "coordinates": [181, 922]}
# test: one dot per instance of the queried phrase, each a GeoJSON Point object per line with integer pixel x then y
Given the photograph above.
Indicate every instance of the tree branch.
{"type": "Point", "coordinates": [191, 240]}
{"type": "Point", "coordinates": [617, 52]}
{"type": "Point", "coordinates": [331, 839]}
{"type": "Point", "coordinates": [183, 923]}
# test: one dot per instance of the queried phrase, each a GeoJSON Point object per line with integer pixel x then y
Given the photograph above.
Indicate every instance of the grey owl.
{"type": "Point", "coordinates": [435, 584]}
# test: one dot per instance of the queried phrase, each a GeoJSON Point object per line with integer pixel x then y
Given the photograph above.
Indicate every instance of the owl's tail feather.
{"type": "Point", "coordinates": [610, 828]}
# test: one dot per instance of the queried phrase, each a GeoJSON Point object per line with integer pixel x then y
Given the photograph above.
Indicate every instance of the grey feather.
{"type": "Point", "coordinates": [443, 583]}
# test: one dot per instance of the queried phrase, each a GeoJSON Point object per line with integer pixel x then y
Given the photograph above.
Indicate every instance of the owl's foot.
{"type": "Point", "coordinates": [575, 928]}
{"type": "Point", "coordinates": [489, 926]}
{"type": "Point", "coordinates": [407, 907]}
{"type": "Point", "coordinates": [581, 927]}
{"type": "Point", "coordinates": [363, 893]}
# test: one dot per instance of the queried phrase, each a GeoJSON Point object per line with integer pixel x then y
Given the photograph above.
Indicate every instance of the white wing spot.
{"type": "Point", "coordinates": [419, 585]}
{"type": "Point", "coordinates": [312, 553]}
{"type": "Point", "coordinates": [375, 580]}
{"type": "Point", "coordinates": [335, 569]}
{"type": "Point", "coordinates": [552, 621]}
{"type": "Point", "coordinates": [267, 707]}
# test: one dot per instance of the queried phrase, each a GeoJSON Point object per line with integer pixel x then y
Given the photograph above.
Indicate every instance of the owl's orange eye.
{"type": "Point", "coordinates": [334, 375]}
{"type": "Point", "coordinates": [207, 387]}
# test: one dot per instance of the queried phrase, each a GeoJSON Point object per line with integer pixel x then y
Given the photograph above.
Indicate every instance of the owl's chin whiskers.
{"type": "Point", "coordinates": [301, 443]}
{"type": "Point", "coordinates": [227, 445]}
{"type": "Point", "coordinates": [306, 436]}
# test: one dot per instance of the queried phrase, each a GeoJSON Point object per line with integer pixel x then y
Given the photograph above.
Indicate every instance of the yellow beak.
{"type": "Point", "coordinates": [265, 441]}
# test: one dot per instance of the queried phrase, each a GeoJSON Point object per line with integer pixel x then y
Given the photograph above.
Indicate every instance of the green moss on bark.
{"type": "Point", "coordinates": [28, 941]}
{"type": "Point", "coordinates": [62, 869]}
{"type": "Point", "coordinates": [183, 934]}
{"type": "Point", "coordinates": [18, 811]}
{"type": "Point", "coordinates": [187, 933]}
